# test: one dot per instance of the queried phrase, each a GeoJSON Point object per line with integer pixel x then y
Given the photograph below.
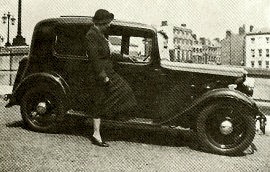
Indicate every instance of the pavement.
{"type": "Point", "coordinates": [263, 106]}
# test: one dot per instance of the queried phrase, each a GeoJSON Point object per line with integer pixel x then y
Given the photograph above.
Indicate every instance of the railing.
{"type": "Point", "coordinates": [9, 63]}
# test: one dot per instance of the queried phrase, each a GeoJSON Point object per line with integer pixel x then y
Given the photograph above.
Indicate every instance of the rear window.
{"type": "Point", "coordinates": [70, 41]}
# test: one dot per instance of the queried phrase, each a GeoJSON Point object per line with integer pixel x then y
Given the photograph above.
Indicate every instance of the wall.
{"type": "Point", "coordinates": [9, 63]}
{"type": "Point", "coordinates": [232, 50]}
{"type": "Point", "coordinates": [255, 42]}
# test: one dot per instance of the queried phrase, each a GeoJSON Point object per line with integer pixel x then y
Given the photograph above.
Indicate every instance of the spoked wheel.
{"type": "Point", "coordinates": [40, 109]}
{"type": "Point", "coordinates": [226, 128]}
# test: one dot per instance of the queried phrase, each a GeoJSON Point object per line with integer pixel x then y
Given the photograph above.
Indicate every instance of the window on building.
{"type": "Point", "coordinates": [252, 40]}
{"type": "Point", "coordinates": [260, 52]}
{"type": "Point", "coordinates": [174, 40]}
{"type": "Point", "coordinates": [267, 39]}
{"type": "Point", "coordinates": [267, 64]}
{"type": "Point", "coordinates": [267, 52]}
{"type": "Point", "coordinates": [252, 52]}
{"type": "Point", "coordinates": [183, 55]}
{"type": "Point", "coordinates": [260, 63]}
{"type": "Point", "coordinates": [178, 54]}
{"type": "Point", "coordinates": [252, 63]}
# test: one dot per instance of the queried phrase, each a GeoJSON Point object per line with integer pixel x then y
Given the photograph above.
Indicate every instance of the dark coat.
{"type": "Point", "coordinates": [113, 97]}
{"type": "Point", "coordinates": [98, 52]}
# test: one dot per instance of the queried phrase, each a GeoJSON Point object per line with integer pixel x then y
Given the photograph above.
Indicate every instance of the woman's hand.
{"type": "Point", "coordinates": [106, 79]}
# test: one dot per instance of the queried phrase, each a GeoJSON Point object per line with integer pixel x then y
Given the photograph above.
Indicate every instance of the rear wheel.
{"type": "Point", "coordinates": [226, 128]}
{"type": "Point", "coordinates": [41, 108]}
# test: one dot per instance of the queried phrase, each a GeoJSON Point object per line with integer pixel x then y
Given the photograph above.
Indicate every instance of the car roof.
{"type": "Point", "coordinates": [88, 20]}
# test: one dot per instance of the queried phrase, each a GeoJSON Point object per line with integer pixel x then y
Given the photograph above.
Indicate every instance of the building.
{"type": "Point", "coordinates": [214, 55]}
{"type": "Point", "coordinates": [180, 42]}
{"type": "Point", "coordinates": [197, 52]}
{"type": "Point", "coordinates": [232, 48]}
{"type": "Point", "coordinates": [206, 51]}
{"type": "Point", "coordinates": [257, 48]}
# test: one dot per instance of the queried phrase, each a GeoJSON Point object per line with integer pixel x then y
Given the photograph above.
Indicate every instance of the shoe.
{"type": "Point", "coordinates": [99, 143]}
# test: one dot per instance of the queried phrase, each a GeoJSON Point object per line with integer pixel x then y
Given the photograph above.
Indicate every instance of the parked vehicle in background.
{"type": "Point", "coordinates": [210, 100]}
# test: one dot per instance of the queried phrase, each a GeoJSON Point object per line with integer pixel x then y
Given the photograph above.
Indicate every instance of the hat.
{"type": "Point", "coordinates": [103, 16]}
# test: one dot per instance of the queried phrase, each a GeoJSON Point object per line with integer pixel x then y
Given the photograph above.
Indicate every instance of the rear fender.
{"type": "Point", "coordinates": [51, 79]}
{"type": "Point", "coordinates": [212, 96]}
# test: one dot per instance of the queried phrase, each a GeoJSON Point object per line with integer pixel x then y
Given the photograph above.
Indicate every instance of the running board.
{"type": "Point", "coordinates": [132, 122]}
{"type": "Point", "coordinates": [72, 112]}
{"type": "Point", "coordinates": [146, 121]}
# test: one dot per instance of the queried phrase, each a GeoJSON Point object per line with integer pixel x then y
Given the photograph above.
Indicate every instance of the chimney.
{"type": "Point", "coordinates": [251, 27]}
{"type": "Point", "coordinates": [164, 23]}
{"type": "Point", "coordinates": [228, 34]}
{"type": "Point", "coordinates": [217, 39]}
{"type": "Point", "coordinates": [183, 25]}
{"type": "Point", "coordinates": [241, 31]}
{"type": "Point", "coordinates": [244, 27]}
{"type": "Point", "coordinates": [202, 40]}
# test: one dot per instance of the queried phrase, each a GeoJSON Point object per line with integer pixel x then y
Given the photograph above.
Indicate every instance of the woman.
{"type": "Point", "coordinates": [113, 94]}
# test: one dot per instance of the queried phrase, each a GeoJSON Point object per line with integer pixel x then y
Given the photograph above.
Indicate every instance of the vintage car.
{"type": "Point", "coordinates": [211, 100]}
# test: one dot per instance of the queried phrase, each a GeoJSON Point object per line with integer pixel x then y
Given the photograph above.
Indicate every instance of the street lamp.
{"type": "Point", "coordinates": [7, 18]}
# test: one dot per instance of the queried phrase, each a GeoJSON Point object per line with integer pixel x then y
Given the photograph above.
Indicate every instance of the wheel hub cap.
{"type": "Point", "coordinates": [41, 108]}
{"type": "Point", "coordinates": [226, 127]}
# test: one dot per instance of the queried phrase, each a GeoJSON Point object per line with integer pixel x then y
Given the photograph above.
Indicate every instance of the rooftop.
{"type": "Point", "coordinates": [261, 31]}
{"type": "Point", "coordinates": [88, 20]}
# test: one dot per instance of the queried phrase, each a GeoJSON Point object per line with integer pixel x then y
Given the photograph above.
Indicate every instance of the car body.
{"type": "Point", "coordinates": [51, 84]}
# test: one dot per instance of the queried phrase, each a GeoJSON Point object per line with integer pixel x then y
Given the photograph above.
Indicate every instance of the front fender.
{"type": "Point", "coordinates": [228, 94]}
{"type": "Point", "coordinates": [33, 80]}
{"type": "Point", "coordinates": [211, 96]}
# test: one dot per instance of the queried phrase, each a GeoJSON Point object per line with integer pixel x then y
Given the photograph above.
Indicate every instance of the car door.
{"type": "Point", "coordinates": [73, 64]}
{"type": "Point", "coordinates": [137, 69]}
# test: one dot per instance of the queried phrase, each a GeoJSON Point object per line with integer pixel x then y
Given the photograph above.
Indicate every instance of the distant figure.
{"type": "Point", "coordinates": [113, 94]}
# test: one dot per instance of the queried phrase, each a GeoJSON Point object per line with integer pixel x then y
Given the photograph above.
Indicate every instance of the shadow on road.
{"type": "Point", "coordinates": [144, 136]}
{"type": "Point", "coordinates": [16, 124]}
{"type": "Point", "coordinates": [163, 138]}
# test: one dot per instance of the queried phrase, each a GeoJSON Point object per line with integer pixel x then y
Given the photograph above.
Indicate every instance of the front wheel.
{"type": "Point", "coordinates": [226, 128]}
{"type": "Point", "coordinates": [40, 109]}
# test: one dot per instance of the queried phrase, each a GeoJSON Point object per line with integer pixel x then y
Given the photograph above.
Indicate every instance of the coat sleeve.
{"type": "Point", "coordinates": [94, 57]}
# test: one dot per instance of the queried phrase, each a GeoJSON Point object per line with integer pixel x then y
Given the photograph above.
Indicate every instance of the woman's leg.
{"type": "Point", "coordinates": [96, 125]}
{"type": "Point", "coordinates": [96, 138]}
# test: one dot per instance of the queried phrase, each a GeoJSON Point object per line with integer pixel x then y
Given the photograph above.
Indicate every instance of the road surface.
{"type": "Point", "coordinates": [130, 150]}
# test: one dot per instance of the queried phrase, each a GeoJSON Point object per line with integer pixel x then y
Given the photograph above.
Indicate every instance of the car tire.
{"type": "Point", "coordinates": [45, 122]}
{"type": "Point", "coordinates": [226, 128]}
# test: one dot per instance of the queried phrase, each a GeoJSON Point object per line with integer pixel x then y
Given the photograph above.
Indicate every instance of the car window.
{"type": "Point", "coordinates": [133, 49]}
{"type": "Point", "coordinates": [140, 49]}
{"type": "Point", "coordinates": [69, 43]}
{"type": "Point", "coordinates": [115, 44]}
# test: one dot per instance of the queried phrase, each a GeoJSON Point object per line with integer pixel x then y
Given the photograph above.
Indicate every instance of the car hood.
{"type": "Point", "coordinates": [234, 71]}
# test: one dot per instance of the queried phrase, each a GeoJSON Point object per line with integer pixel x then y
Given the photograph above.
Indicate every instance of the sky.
{"type": "Point", "coordinates": [206, 18]}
